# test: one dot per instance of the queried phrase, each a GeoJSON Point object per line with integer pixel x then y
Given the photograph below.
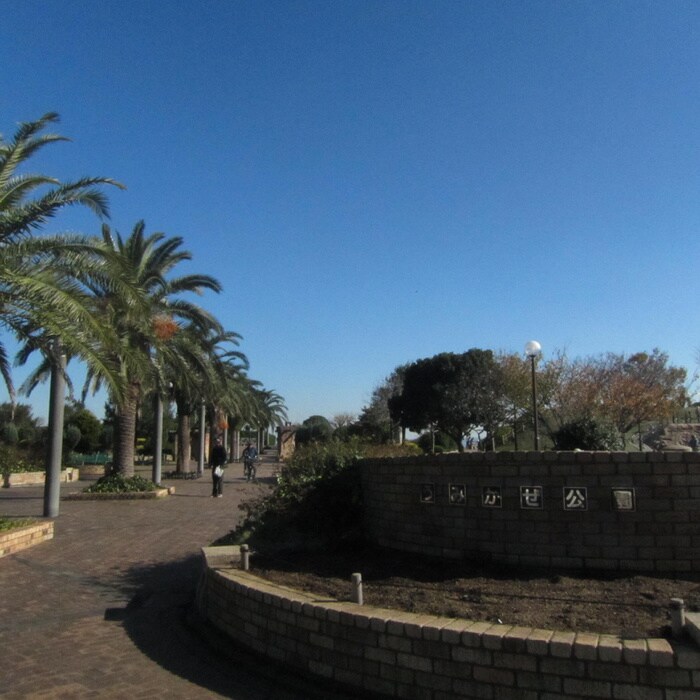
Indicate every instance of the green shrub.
{"type": "Point", "coordinates": [586, 434]}
{"type": "Point", "coordinates": [118, 483]}
{"type": "Point", "coordinates": [15, 461]}
{"type": "Point", "coordinates": [316, 500]}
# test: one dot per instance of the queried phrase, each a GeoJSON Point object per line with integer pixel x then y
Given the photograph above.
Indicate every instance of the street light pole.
{"type": "Point", "coordinates": [57, 400]}
{"type": "Point", "coordinates": [202, 421]}
{"type": "Point", "coordinates": [532, 350]}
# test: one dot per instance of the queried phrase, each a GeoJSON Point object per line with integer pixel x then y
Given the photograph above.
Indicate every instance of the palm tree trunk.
{"type": "Point", "coordinates": [184, 442]}
{"type": "Point", "coordinates": [125, 431]}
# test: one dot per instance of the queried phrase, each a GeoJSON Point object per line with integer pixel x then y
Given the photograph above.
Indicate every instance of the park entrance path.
{"type": "Point", "coordinates": [101, 610]}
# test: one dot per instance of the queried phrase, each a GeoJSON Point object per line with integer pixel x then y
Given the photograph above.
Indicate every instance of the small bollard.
{"type": "Point", "coordinates": [245, 557]}
{"type": "Point", "coordinates": [677, 616]}
{"type": "Point", "coordinates": [357, 589]}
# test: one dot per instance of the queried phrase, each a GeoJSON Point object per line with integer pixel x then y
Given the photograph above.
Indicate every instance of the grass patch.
{"type": "Point", "coordinates": [7, 524]}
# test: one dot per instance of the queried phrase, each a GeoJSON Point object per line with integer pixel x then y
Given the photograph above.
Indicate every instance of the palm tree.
{"type": "Point", "coordinates": [36, 293]}
{"type": "Point", "coordinates": [143, 327]}
{"type": "Point", "coordinates": [269, 410]}
{"type": "Point", "coordinates": [202, 369]}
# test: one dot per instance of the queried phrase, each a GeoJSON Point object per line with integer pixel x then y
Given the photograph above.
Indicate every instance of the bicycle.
{"type": "Point", "coordinates": [249, 469]}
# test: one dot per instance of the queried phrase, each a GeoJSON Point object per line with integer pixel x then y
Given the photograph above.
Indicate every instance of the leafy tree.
{"type": "Point", "coordinates": [517, 389]}
{"type": "Point", "coordinates": [10, 434]}
{"type": "Point", "coordinates": [342, 420]}
{"type": "Point", "coordinates": [21, 415]}
{"type": "Point", "coordinates": [453, 393]}
{"type": "Point", "coordinates": [71, 437]}
{"type": "Point", "coordinates": [314, 429]}
{"type": "Point", "coordinates": [375, 422]}
{"type": "Point", "coordinates": [88, 425]}
{"type": "Point", "coordinates": [638, 388]}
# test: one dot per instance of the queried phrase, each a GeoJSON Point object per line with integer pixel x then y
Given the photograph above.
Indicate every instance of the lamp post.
{"type": "Point", "coordinates": [533, 350]}
{"type": "Point", "coordinates": [202, 422]}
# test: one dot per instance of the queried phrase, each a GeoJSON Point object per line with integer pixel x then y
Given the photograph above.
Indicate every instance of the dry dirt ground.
{"type": "Point", "coordinates": [628, 606]}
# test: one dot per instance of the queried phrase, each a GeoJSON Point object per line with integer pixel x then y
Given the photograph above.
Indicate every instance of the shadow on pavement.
{"type": "Point", "coordinates": [163, 623]}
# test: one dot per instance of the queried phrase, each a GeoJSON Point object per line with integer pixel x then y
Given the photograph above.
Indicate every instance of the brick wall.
{"type": "Point", "coordinates": [21, 538]}
{"type": "Point", "coordinates": [575, 510]}
{"type": "Point", "coordinates": [406, 655]}
{"type": "Point", "coordinates": [35, 478]}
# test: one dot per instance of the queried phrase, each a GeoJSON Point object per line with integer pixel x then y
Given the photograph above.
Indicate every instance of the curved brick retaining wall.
{"type": "Point", "coordinates": [636, 511]}
{"type": "Point", "coordinates": [406, 655]}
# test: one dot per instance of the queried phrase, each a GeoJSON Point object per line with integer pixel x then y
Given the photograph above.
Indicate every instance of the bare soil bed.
{"type": "Point", "coordinates": [625, 605]}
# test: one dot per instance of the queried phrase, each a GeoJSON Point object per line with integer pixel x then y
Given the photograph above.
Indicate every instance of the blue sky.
{"type": "Point", "coordinates": [376, 182]}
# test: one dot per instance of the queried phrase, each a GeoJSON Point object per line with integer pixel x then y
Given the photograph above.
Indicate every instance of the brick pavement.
{"type": "Point", "coordinates": [101, 611]}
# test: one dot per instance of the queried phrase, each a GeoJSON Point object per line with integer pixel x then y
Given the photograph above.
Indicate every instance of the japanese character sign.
{"type": "Point", "coordinates": [427, 493]}
{"type": "Point", "coordinates": [458, 494]}
{"type": "Point", "coordinates": [491, 497]}
{"type": "Point", "coordinates": [575, 498]}
{"type": "Point", "coordinates": [531, 497]}
{"type": "Point", "coordinates": [623, 499]}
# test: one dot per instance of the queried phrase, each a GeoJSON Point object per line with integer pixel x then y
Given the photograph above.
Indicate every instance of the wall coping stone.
{"type": "Point", "coordinates": [582, 456]}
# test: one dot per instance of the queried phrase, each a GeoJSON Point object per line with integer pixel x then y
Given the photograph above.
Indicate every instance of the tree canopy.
{"type": "Point", "coordinates": [454, 393]}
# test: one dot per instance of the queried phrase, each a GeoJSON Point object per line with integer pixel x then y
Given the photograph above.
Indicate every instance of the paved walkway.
{"type": "Point", "coordinates": [101, 611]}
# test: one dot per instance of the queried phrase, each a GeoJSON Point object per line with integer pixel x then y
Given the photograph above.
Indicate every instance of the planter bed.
{"type": "Point", "coordinates": [16, 540]}
{"type": "Point", "coordinates": [407, 655]}
{"type": "Point", "coordinates": [92, 472]}
{"type": "Point", "coordinates": [130, 495]}
{"type": "Point", "coordinates": [36, 478]}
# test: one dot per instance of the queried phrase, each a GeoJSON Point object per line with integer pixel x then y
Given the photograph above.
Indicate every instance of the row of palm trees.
{"type": "Point", "coordinates": [116, 304]}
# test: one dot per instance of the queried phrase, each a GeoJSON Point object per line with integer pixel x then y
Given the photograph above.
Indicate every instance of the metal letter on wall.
{"type": "Point", "coordinates": [457, 494]}
{"type": "Point", "coordinates": [427, 493]}
{"type": "Point", "coordinates": [531, 497]}
{"type": "Point", "coordinates": [623, 499]}
{"type": "Point", "coordinates": [575, 498]}
{"type": "Point", "coordinates": [491, 497]}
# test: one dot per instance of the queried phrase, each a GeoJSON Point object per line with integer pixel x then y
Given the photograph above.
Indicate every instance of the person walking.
{"type": "Point", "coordinates": [217, 460]}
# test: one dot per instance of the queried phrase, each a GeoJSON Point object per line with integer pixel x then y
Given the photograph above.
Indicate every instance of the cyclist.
{"type": "Point", "coordinates": [250, 455]}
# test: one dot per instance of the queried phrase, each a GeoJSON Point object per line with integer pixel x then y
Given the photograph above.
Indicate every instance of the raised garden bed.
{"type": "Point", "coordinates": [36, 478]}
{"type": "Point", "coordinates": [125, 496]}
{"type": "Point", "coordinates": [19, 538]}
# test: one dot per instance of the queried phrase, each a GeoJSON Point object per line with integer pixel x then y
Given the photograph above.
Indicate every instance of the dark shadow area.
{"type": "Point", "coordinates": [162, 621]}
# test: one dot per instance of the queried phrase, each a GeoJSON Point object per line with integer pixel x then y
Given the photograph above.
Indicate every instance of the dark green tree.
{"type": "Point", "coordinates": [454, 393]}
{"type": "Point", "coordinates": [87, 423]}
{"type": "Point", "coordinates": [314, 429]}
